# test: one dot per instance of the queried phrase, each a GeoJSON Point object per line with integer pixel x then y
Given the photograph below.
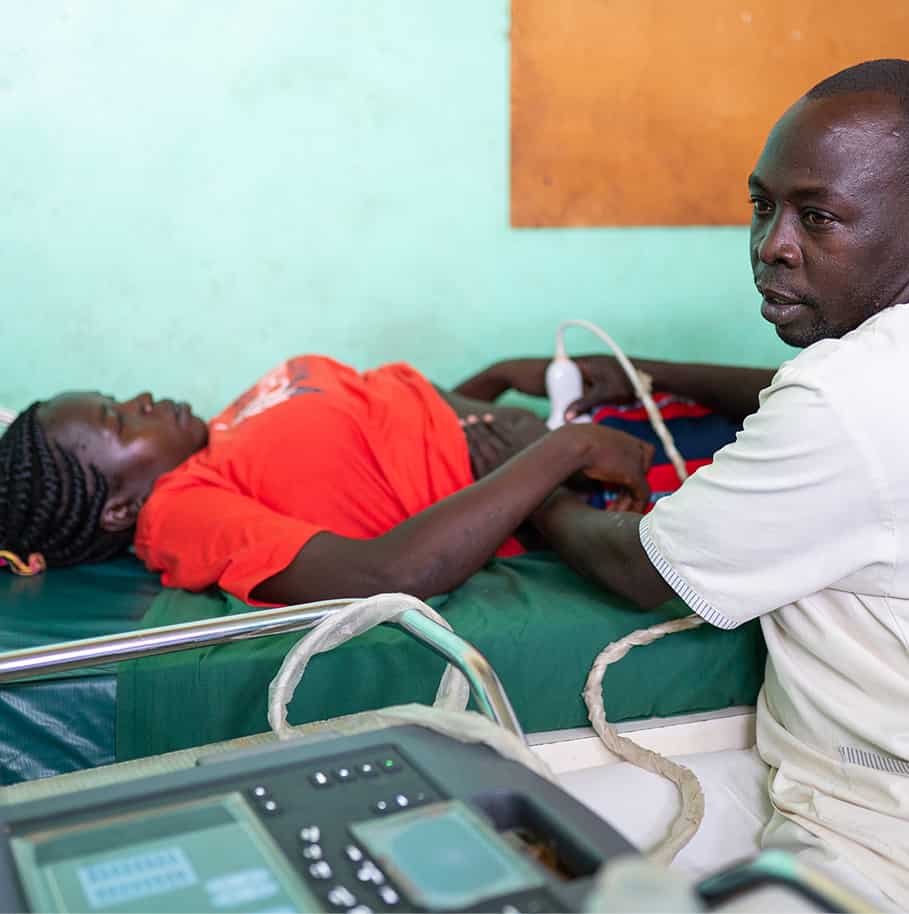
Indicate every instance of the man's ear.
{"type": "Point", "coordinates": [120, 513]}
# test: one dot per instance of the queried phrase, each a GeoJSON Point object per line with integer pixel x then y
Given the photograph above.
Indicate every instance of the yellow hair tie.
{"type": "Point", "coordinates": [36, 563]}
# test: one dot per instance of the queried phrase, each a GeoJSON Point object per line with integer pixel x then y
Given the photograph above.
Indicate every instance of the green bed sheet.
{"type": "Point", "coordinates": [65, 722]}
{"type": "Point", "coordinates": [539, 624]}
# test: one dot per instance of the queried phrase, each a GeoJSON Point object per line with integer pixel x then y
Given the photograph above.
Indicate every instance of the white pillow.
{"type": "Point", "coordinates": [6, 417]}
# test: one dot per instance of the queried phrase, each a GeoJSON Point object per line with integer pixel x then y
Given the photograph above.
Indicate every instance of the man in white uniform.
{"type": "Point", "coordinates": [803, 521]}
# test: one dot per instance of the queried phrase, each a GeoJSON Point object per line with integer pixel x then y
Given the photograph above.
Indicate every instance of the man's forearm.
{"type": "Point", "coordinates": [440, 547]}
{"type": "Point", "coordinates": [486, 385]}
{"type": "Point", "coordinates": [492, 382]}
{"type": "Point", "coordinates": [726, 389]}
{"type": "Point", "coordinates": [603, 546]}
{"type": "Point", "coordinates": [730, 390]}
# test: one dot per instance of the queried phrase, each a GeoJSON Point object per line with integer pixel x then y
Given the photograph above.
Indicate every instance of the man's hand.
{"type": "Point", "coordinates": [605, 381]}
{"type": "Point", "coordinates": [728, 390]}
{"type": "Point", "coordinates": [618, 460]}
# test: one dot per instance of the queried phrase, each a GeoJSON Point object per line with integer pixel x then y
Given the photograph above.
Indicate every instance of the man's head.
{"type": "Point", "coordinates": [75, 471]}
{"type": "Point", "coordinates": [830, 195]}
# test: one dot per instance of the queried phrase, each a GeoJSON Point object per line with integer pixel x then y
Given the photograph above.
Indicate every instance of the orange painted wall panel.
{"type": "Point", "coordinates": [652, 112]}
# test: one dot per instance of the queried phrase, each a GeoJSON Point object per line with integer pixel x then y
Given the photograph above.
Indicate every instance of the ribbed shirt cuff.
{"type": "Point", "coordinates": [692, 598]}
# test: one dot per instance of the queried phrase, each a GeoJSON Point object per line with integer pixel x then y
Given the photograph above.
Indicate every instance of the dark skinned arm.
{"type": "Point", "coordinates": [492, 382]}
{"type": "Point", "coordinates": [440, 547]}
{"type": "Point", "coordinates": [603, 546]}
{"type": "Point", "coordinates": [729, 390]}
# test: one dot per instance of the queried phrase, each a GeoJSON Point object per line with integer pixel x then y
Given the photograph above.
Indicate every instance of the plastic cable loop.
{"type": "Point", "coordinates": [687, 822]}
{"type": "Point", "coordinates": [640, 382]}
{"type": "Point", "coordinates": [341, 626]}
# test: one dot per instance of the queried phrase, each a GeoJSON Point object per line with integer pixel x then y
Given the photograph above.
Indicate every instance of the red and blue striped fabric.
{"type": "Point", "coordinates": [698, 434]}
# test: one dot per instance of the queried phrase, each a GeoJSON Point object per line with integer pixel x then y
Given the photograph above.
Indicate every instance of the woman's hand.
{"type": "Point", "coordinates": [618, 460]}
{"type": "Point", "coordinates": [497, 435]}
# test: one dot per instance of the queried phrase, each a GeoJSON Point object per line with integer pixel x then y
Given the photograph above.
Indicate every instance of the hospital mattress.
{"type": "Point", "coordinates": [64, 723]}
{"type": "Point", "coordinates": [539, 624]}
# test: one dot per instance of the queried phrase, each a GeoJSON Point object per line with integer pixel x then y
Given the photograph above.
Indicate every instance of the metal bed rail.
{"type": "Point", "coordinates": [485, 686]}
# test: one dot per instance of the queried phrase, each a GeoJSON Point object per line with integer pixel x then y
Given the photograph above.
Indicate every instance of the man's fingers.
{"type": "Point", "coordinates": [574, 410]}
{"type": "Point", "coordinates": [583, 405]}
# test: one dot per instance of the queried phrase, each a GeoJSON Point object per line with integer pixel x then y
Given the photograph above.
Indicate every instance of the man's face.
{"type": "Point", "coordinates": [829, 239]}
{"type": "Point", "coordinates": [131, 443]}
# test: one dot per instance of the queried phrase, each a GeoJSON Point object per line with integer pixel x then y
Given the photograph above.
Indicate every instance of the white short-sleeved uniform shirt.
{"type": "Point", "coordinates": [803, 521]}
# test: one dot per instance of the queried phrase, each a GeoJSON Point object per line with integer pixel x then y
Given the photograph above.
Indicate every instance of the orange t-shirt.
{"type": "Point", "coordinates": [313, 446]}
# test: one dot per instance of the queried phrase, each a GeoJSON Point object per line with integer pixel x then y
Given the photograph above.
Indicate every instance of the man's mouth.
{"type": "Point", "coordinates": [780, 307]}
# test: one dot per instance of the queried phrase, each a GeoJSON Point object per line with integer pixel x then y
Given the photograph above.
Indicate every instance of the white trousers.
{"type": "Point", "coordinates": [739, 820]}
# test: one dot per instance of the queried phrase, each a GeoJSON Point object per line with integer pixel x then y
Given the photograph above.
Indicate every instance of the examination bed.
{"type": "Point", "coordinates": [538, 624]}
{"type": "Point", "coordinates": [65, 722]}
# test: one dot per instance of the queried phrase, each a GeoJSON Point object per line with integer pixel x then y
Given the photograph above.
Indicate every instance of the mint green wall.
{"type": "Point", "coordinates": [190, 191]}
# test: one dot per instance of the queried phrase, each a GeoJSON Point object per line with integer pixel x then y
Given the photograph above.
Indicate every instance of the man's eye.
{"type": "Point", "coordinates": [813, 217]}
{"type": "Point", "coordinates": [760, 206]}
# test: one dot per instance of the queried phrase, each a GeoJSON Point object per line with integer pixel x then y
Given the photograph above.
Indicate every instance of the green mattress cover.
{"type": "Point", "coordinates": [64, 722]}
{"type": "Point", "coordinates": [65, 604]}
{"type": "Point", "coordinates": [538, 623]}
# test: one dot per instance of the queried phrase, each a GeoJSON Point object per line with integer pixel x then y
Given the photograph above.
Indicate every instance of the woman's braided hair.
{"type": "Point", "coordinates": [49, 504]}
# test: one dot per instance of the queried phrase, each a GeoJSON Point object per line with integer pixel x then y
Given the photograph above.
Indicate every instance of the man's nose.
{"type": "Point", "coordinates": [779, 242]}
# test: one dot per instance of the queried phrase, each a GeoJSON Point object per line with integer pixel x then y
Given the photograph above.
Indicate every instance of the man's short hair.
{"type": "Point", "coordinates": [888, 75]}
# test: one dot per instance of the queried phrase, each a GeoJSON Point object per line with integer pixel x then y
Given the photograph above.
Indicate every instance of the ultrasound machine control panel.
{"type": "Point", "coordinates": [402, 819]}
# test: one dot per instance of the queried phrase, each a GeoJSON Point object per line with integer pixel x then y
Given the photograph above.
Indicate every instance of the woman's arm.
{"type": "Point", "coordinates": [440, 547]}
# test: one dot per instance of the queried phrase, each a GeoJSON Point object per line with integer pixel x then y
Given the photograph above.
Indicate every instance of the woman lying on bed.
{"type": "Point", "coordinates": [318, 482]}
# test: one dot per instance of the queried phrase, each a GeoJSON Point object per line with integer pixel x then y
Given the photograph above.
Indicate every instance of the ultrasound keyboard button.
{"type": "Point", "coordinates": [320, 870]}
{"type": "Point", "coordinates": [388, 895]}
{"type": "Point", "coordinates": [353, 853]}
{"type": "Point", "coordinates": [342, 897]}
{"type": "Point", "coordinates": [369, 872]}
